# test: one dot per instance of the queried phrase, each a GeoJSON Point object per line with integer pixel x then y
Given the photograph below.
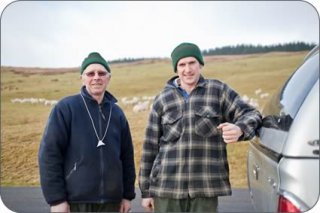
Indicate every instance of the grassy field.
{"type": "Point", "coordinates": [22, 124]}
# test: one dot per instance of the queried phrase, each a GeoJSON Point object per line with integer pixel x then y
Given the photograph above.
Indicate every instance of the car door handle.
{"type": "Point", "coordinates": [314, 143]}
{"type": "Point", "coordinates": [255, 171]}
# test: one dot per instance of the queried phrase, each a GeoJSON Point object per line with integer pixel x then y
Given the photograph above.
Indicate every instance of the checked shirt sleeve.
{"type": "Point", "coordinates": [149, 151]}
{"type": "Point", "coordinates": [240, 113]}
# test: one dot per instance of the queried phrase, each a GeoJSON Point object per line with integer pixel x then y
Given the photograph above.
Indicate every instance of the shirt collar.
{"type": "Point", "coordinates": [175, 81]}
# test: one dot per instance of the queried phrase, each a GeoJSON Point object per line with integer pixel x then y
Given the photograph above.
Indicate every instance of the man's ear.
{"type": "Point", "coordinates": [80, 77]}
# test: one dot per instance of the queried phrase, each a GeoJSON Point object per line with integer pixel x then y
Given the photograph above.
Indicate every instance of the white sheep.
{"type": "Point", "coordinates": [127, 101]}
{"type": "Point", "coordinates": [258, 91]}
{"type": "Point", "coordinates": [141, 106]}
{"type": "Point", "coordinates": [245, 98]}
{"type": "Point", "coordinates": [264, 95]}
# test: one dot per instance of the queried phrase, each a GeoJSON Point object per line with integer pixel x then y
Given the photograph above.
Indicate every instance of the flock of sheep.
{"type": "Point", "coordinates": [139, 104]}
{"type": "Point", "coordinates": [145, 103]}
{"type": "Point", "coordinates": [254, 101]}
{"type": "Point", "coordinates": [34, 101]}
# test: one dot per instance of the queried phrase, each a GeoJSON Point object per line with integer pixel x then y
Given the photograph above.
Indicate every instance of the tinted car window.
{"type": "Point", "coordinates": [284, 106]}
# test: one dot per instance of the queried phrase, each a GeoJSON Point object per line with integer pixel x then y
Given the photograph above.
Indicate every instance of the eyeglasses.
{"type": "Point", "coordinates": [100, 73]}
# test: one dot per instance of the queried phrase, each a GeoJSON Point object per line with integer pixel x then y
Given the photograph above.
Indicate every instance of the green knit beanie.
{"type": "Point", "coordinates": [185, 50]}
{"type": "Point", "coordinates": [94, 58]}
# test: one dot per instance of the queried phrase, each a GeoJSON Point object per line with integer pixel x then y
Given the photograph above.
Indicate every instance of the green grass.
{"type": "Point", "coordinates": [22, 125]}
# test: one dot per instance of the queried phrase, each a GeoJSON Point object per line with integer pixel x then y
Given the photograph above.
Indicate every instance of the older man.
{"type": "Point", "coordinates": [86, 153]}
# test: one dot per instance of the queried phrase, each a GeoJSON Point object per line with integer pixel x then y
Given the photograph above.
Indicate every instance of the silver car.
{"type": "Point", "coordinates": [283, 161]}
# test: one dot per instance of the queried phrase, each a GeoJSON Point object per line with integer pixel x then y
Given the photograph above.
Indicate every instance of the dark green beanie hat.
{"type": "Point", "coordinates": [94, 58]}
{"type": "Point", "coordinates": [185, 50]}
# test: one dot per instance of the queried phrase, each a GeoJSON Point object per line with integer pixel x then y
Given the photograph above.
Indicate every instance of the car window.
{"type": "Point", "coordinates": [283, 107]}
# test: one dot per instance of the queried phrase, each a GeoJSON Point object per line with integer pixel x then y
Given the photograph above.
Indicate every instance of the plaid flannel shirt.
{"type": "Point", "coordinates": [183, 152]}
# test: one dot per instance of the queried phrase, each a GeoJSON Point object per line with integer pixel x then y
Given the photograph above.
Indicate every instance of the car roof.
{"type": "Point", "coordinates": [312, 52]}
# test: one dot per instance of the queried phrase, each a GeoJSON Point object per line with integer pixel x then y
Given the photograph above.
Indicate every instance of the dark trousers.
{"type": "Point", "coordinates": [200, 204]}
{"type": "Point", "coordinates": [94, 207]}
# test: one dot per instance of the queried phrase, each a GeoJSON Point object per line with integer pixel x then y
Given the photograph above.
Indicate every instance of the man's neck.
{"type": "Point", "coordinates": [98, 98]}
{"type": "Point", "coordinates": [188, 88]}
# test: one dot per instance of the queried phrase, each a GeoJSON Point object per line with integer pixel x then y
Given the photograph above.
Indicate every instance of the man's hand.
{"type": "Point", "coordinates": [125, 206]}
{"type": "Point", "coordinates": [230, 132]}
{"type": "Point", "coordinates": [61, 207]}
{"type": "Point", "coordinates": [147, 204]}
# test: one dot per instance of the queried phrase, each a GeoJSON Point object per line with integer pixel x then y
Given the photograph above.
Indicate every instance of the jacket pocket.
{"type": "Point", "coordinates": [172, 126]}
{"type": "Point", "coordinates": [72, 170]}
{"type": "Point", "coordinates": [206, 122]}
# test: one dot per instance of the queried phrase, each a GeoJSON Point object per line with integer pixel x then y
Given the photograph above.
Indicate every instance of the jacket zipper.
{"type": "Point", "coordinates": [188, 106]}
{"type": "Point", "coordinates": [100, 110]}
{"type": "Point", "coordinates": [101, 156]}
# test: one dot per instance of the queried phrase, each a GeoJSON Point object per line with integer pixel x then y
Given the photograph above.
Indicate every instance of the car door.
{"type": "Point", "coordinates": [263, 177]}
{"type": "Point", "coordinates": [266, 151]}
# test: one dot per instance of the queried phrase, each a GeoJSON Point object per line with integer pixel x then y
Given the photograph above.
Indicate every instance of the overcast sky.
{"type": "Point", "coordinates": [61, 34]}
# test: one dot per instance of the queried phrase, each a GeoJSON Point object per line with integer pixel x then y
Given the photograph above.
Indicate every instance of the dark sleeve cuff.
{"type": "Point", "coordinates": [246, 135]}
{"type": "Point", "coordinates": [56, 202]}
{"type": "Point", "coordinates": [129, 196]}
{"type": "Point", "coordinates": [145, 195]}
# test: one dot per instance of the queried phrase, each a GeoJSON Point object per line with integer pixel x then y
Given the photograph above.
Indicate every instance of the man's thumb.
{"type": "Point", "coordinates": [222, 125]}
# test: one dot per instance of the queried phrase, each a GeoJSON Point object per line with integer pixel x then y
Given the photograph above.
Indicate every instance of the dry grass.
{"type": "Point", "coordinates": [22, 125]}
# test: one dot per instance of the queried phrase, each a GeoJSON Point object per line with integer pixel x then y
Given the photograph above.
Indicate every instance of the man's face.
{"type": "Point", "coordinates": [188, 70]}
{"type": "Point", "coordinates": [96, 79]}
